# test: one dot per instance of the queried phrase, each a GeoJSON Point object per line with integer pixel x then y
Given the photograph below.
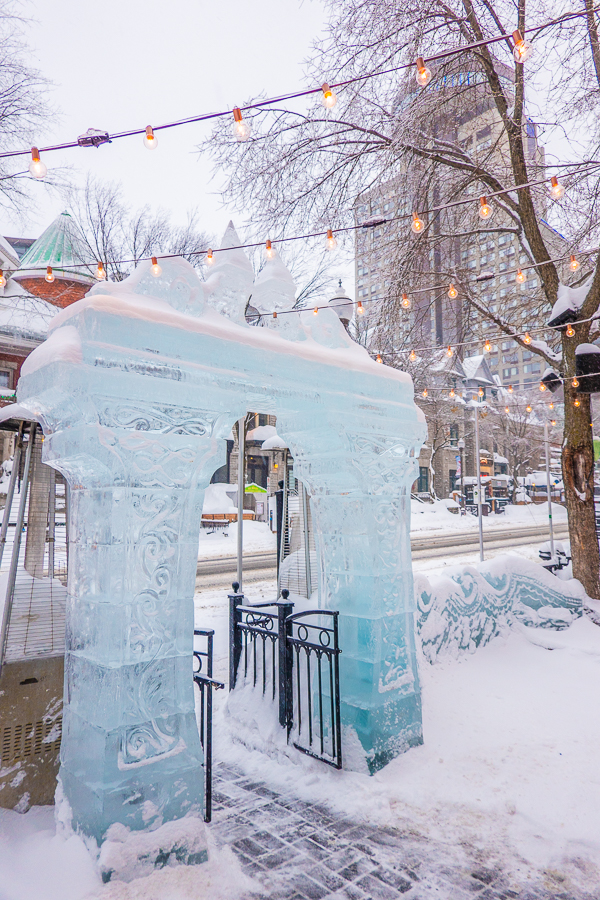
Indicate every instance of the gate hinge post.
{"type": "Point", "coordinates": [285, 609]}
{"type": "Point", "coordinates": [235, 635]}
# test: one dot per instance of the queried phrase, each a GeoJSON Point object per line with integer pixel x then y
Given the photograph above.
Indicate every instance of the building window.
{"type": "Point", "coordinates": [423, 482]}
{"type": "Point", "coordinates": [453, 435]}
{"type": "Point", "coordinates": [4, 378]}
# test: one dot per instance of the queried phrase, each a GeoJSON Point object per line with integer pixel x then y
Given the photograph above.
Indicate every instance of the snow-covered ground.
{"type": "Point", "coordinates": [509, 765]}
{"type": "Point", "coordinates": [258, 538]}
{"type": "Point", "coordinates": [432, 517]}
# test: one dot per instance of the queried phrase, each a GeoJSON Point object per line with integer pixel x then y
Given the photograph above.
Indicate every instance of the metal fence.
{"type": "Point", "coordinates": [203, 670]}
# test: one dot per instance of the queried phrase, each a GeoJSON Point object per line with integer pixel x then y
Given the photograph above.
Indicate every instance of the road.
{"type": "Point", "coordinates": [262, 566]}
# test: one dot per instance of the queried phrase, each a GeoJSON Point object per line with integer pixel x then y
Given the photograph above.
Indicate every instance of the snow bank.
{"type": "Point", "coordinates": [218, 499]}
{"type": "Point", "coordinates": [470, 605]}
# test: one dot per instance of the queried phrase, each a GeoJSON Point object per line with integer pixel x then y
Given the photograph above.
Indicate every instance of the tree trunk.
{"type": "Point", "coordinates": [578, 476]}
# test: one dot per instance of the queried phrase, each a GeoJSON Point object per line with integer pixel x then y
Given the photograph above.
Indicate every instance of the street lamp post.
{"type": "Point", "coordinates": [478, 465]}
{"type": "Point", "coordinates": [461, 447]}
{"type": "Point", "coordinates": [548, 488]}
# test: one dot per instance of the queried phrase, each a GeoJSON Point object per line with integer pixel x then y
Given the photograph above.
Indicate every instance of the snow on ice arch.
{"type": "Point", "coordinates": [137, 388]}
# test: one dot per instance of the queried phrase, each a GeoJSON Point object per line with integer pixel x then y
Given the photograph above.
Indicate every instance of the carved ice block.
{"type": "Point", "coordinates": [137, 389]}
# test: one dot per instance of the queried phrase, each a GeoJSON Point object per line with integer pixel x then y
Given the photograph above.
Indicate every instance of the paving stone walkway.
{"type": "Point", "coordinates": [300, 851]}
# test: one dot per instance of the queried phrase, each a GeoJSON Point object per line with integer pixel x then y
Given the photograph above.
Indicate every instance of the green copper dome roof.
{"type": "Point", "coordinates": [60, 245]}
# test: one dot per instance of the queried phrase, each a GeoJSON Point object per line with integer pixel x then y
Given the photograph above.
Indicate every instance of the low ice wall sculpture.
{"type": "Point", "coordinates": [468, 606]}
{"type": "Point", "coordinates": [137, 388]}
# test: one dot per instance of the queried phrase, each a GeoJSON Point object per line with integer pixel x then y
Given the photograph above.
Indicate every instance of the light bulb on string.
{"type": "Point", "coordinates": [574, 264]}
{"type": "Point", "coordinates": [329, 98]}
{"type": "Point", "coordinates": [487, 346]}
{"type": "Point", "coordinates": [542, 386]}
{"type": "Point", "coordinates": [570, 330]}
{"type": "Point", "coordinates": [417, 224]}
{"type": "Point", "coordinates": [577, 402]}
{"type": "Point", "coordinates": [553, 422]}
{"type": "Point", "coordinates": [155, 268]}
{"type": "Point", "coordinates": [481, 392]}
{"type": "Point", "coordinates": [316, 311]}
{"type": "Point", "coordinates": [209, 258]}
{"type": "Point", "coordinates": [379, 359]}
{"type": "Point", "coordinates": [2, 278]}
{"type": "Point", "coordinates": [528, 408]}
{"type": "Point", "coordinates": [269, 252]}
{"type": "Point", "coordinates": [37, 168]}
{"type": "Point", "coordinates": [522, 49]}
{"type": "Point", "coordinates": [449, 352]}
{"type": "Point", "coordinates": [510, 389]}
{"type": "Point", "coordinates": [100, 273]}
{"type": "Point", "coordinates": [150, 139]}
{"type": "Point", "coordinates": [551, 405]}
{"type": "Point", "coordinates": [485, 210]}
{"type": "Point", "coordinates": [423, 74]}
{"type": "Point", "coordinates": [49, 275]}
{"type": "Point", "coordinates": [452, 393]}
{"type": "Point", "coordinates": [575, 383]}
{"type": "Point", "coordinates": [360, 308]}
{"type": "Point", "coordinates": [274, 313]}
{"type": "Point", "coordinates": [507, 409]}
{"type": "Point", "coordinates": [412, 356]}
{"type": "Point", "coordinates": [556, 188]}
{"type": "Point", "coordinates": [519, 277]}
{"type": "Point", "coordinates": [241, 126]}
{"type": "Point", "coordinates": [452, 292]}
{"type": "Point", "coordinates": [424, 392]}
{"type": "Point", "coordinates": [527, 338]}
{"type": "Point", "coordinates": [331, 241]}
{"type": "Point", "coordinates": [405, 302]}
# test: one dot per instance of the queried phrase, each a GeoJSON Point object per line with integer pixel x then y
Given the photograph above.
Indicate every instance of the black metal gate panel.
{"type": "Point", "coordinates": [297, 656]}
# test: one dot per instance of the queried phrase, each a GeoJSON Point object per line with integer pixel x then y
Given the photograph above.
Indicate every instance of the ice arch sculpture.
{"type": "Point", "coordinates": [137, 388]}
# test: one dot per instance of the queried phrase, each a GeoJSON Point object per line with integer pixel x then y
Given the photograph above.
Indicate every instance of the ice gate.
{"type": "Point", "coordinates": [137, 388]}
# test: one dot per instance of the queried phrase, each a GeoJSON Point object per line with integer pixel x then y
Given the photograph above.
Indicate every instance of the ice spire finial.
{"type": "Point", "coordinates": [230, 283]}
{"type": "Point", "coordinates": [274, 288]}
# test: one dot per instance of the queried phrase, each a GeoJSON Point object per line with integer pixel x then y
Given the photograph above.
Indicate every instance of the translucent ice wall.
{"type": "Point", "coordinates": [138, 387]}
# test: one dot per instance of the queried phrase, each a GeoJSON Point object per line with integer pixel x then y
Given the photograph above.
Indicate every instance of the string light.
{"type": "Point", "coordinates": [241, 126]}
{"type": "Point", "coordinates": [570, 330]}
{"type": "Point", "coordinates": [405, 302]}
{"type": "Point", "coordinates": [577, 402]}
{"type": "Point", "coordinates": [510, 389]}
{"type": "Point", "coordinates": [274, 313]}
{"type": "Point", "coordinates": [556, 188]}
{"type": "Point", "coordinates": [481, 392]}
{"type": "Point", "coordinates": [150, 140]}
{"type": "Point", "coordinates": [49, 275]}
{"type": "Point", "coordinates": [37, 168]}
{"type": "Point", "coordinates": [506, 409]}
{"type": "Point", "coordinates": [423, 74]}
{"type": "Point", "coordinates": [379, 359]}
{"type": "Point", "coordinates": [542, 386]}
{"type": "Point", "coordinates": [551, 405]}
{"type": "Point", "coordinates": [449, 352]}
{"type": "Point", "coordinates": [485, 210]}
{"type": "Point", "coordinates": [522, 49]}
{"type": "Point", "coordinates": [331, 241]}
{"type": "Point", "coordinates": [574, 263]}
{"type": "Point", "coordinates": [452, 393]}
{"type": "Point", "coordinates": [528, 408]}
{"type": "Point", "coordinates": [329, 98]}
{"type": "Point", "coordinates": [575, 383]}
{"type": "Point", "coordinates": [2, 279]}
{"type": "Point", "coordinates": [155, 268]}
{"type": "Point", "coordinates": [360, 308]}
{"type": "Point", "coordinates": [519, 277]}
{"type": "Point", "coordinates": [417, 224]}
{"type": "Point", "coordinates": [412, 356]}
{"type": "Point", "coordinates": [316, 311]}
{"type": "Point", "coordinates": [487, 347]}
{"type": "Point", "coordinates": [452, 292]}
{"type": "Point", "coordinates": [424, 392]}
{"type": "Point", "coordinates": [269, 252]}
{"type": "Point", "coordinates": [553, 422]}
{"type": "Point", "coordinates": [527, 338]}
{"type": "Point", "coordinates": [209, 258]}
{"type": "Point", "coordinates": [100, 273]}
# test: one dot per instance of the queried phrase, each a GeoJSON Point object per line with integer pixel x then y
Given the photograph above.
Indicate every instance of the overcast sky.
{"type": "Point", "coordinates": [121, 64]}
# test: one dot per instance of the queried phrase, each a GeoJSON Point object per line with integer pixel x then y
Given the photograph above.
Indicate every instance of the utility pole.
{"type": "Point", "coordinates": [478, 465]}
{"type": "Point", "coordinates": [549, 490]}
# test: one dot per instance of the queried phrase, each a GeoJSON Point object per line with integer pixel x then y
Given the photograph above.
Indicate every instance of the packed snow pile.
{"type": "Point", "coordinates": [220, 498]}
{"type": "Point", "coordinates": [469, 606]}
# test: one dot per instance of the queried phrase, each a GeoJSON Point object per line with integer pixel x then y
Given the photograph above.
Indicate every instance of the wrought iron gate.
{"type": "Point", "coordinates": [203, 669]}
{"type": "Point", "coordinates": [294, 656]}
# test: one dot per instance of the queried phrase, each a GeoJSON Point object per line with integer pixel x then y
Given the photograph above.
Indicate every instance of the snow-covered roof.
{"type": "Point", "coordinates": [476, 369]}
{"type": "Point", "coordinates": [261, 433]}
{"type": "Point", "coordinates": [8, 255]}
{"type": "Point", "coordinates": [569, 302]}
{"type": "Point", "coordinates": [500, 459]}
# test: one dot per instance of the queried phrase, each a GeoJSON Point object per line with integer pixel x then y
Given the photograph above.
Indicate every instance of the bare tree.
{"type": "Point", "coordinates": [309, 167]}
{"type": "Point", "coordinates": [24, 106]}
{"type": "Point", "coordinates": [112, 232]}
